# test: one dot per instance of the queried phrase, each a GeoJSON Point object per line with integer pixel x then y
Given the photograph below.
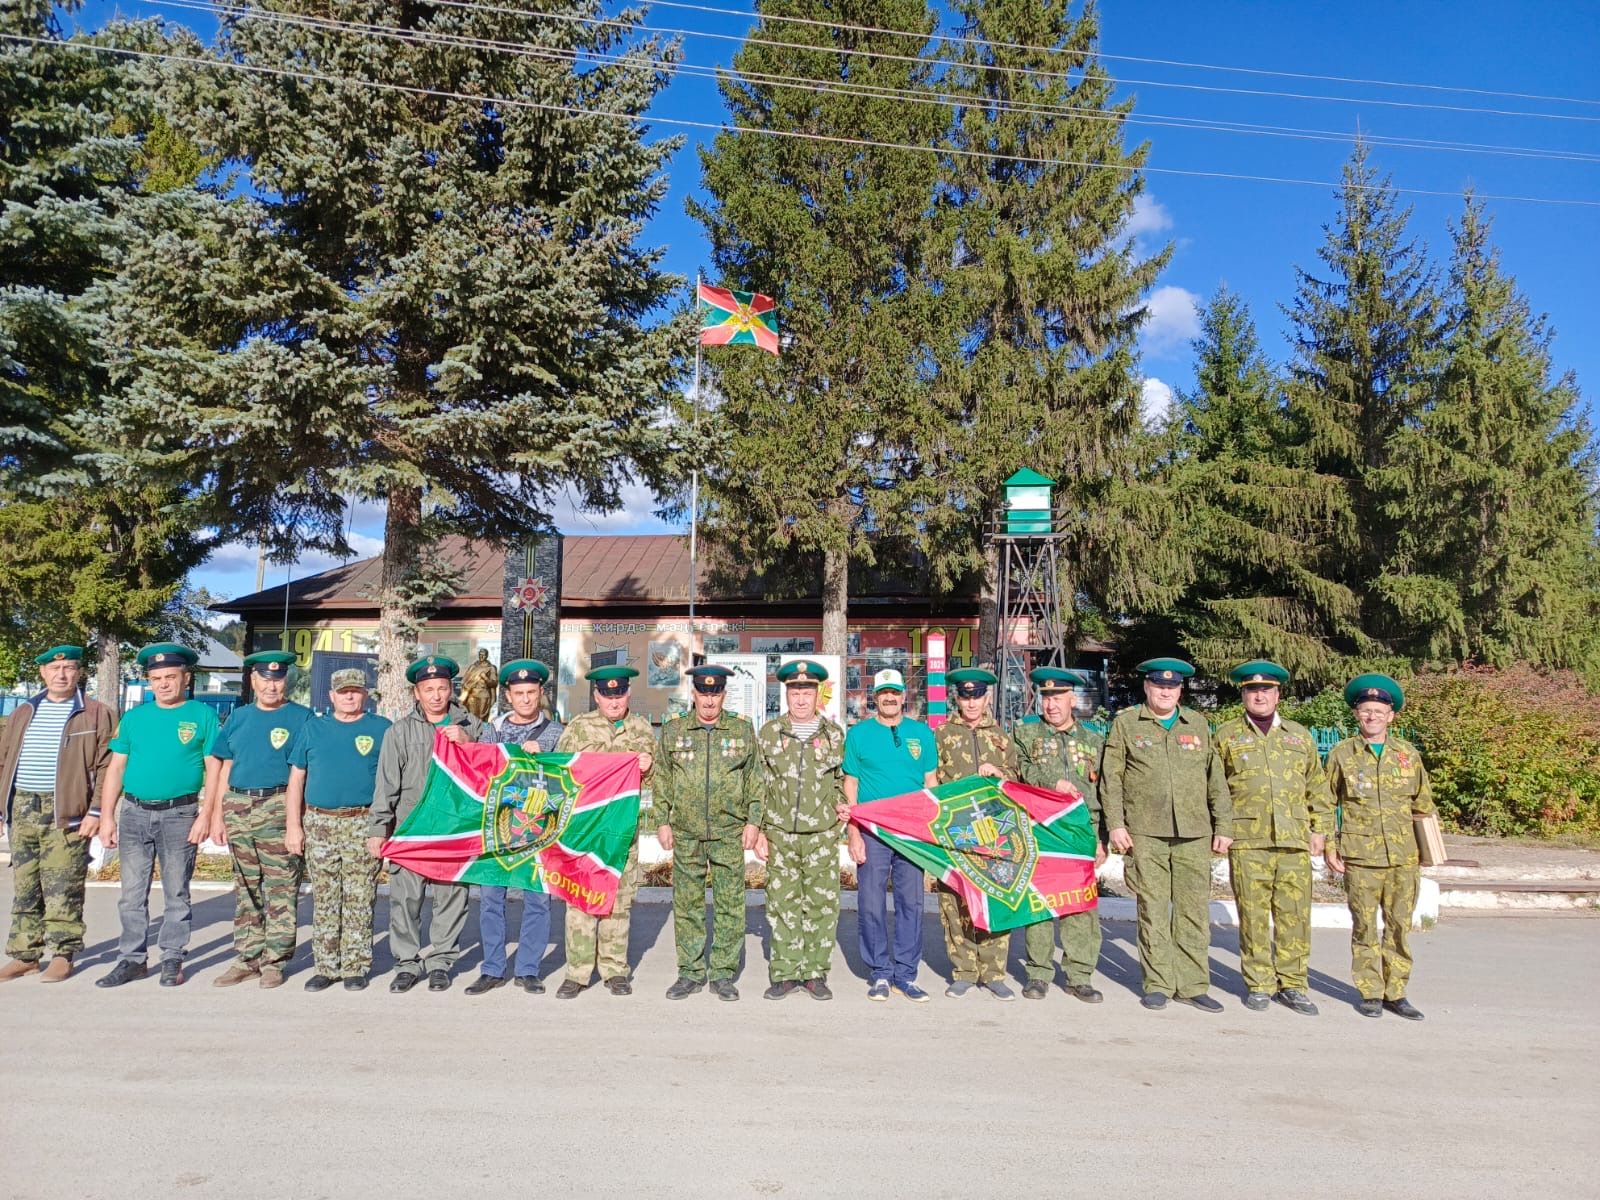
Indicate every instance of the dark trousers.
{"type": "Point", "coordinates": [532, 938]}
{"type": "Point", "coordinates": [873, 877]}
{"type": "Point", "coordinates": [143, 837]}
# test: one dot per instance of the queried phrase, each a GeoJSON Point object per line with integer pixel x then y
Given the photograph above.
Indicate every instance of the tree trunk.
{"type": "Point", "coordinates": [988, 645]}
{"type": "Point", "coordinates": [108, 669]}
{"type": "Point", "coordinates": [397, 618]}
{"type": "Point", "coordinates": [835, 602]}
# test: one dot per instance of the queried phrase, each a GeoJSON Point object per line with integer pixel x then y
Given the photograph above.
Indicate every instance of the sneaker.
{"type": "Point", "coordinates": [60, 967]}
{"type": "Point", "coordinates": [1085, 992]}
{"type": "Point", "coordinates": [1296, 1001]}
{"type": "Point", "coordinates": [879, 990]}
{"type": "Point", "coordinates": [1035, 989]}
{"type": "Point", "coordinates": [1154, 1001]}
{"type": "Point", "coordinates": [127, 971]}
{"type": "Point", "coordinates": [172, 973]}
{"type": "Point", "coordinates": [1203, 1002]}
{"type": "Point", "coordinates": [1000, 990]}
{"type": "Point", "coordinates": [723, 989]}
{"type": "Point", "coordinates": [271, 976]}
{"type": "Point", "coordinates": [236, 974]}
{"type": "Point", "coordinates": [568, 989]}
{"type": "Point", "coordinates": [530, 984]}
{"type": "Point", "coordinates": [1403, 1008]}
{"type": "Point", "coordinates": [959, 988]}
{"type": "Point", "coordinates": [320, 982]}
{"type": "Point", "coordinates": [781, 989]}
{"type": "Point", "coordinates": [1257, 1001]}
{"type": "Point", "coordinates": [684, 988]}
{"type": "Point", "coordinates": [819, 989]}
{"type": "Point", "coordinates": [912, 992]}
{"type": "Point", "coordinates": [16, 969]}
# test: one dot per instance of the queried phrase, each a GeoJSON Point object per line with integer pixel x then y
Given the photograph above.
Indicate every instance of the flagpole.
{"type": "Point", "coordinates": [694, 479]}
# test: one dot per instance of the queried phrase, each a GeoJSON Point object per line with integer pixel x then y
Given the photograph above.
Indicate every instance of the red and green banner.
{"type": "Point", "coordinates": [729, 318]}
{"type": "Point", "coordinates": [1015, 854]}
{"type": "Point", "coordinates": [508, 817]}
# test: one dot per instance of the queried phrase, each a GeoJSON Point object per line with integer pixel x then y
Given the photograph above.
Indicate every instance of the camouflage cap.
{"type": "Point", "coordinates": [349, 677]}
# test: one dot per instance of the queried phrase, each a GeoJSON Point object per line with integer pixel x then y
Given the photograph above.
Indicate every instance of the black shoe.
{"type": "Point", "coordinates": [569, 988]}
{"type": "Point", "coordinates": [1257, 1001]}
{"type": "Point", "coordinates": [1035, 989]}
{"type": "Point", "coordinates": [1154, 1001]}
{"type": "Point", "coordinates": [1084, 992]}
{"type": "Point", "coordinates": [438, 981]}
{"type": "Point", "coordinates": [172, 973]}
{"type": "Point", "coordinates": [618, 985]}
{"type": "Point", "coordinates": [780, 990]}
{"type": "Point", "coordinates": [480, 985]}
{"type": "Point", "coordinates": [404, 981]}
{"type": "Point", "coordinates": [355, 983]}
{"type": "Point", "coordinates": [819, 989]}
{"type": "Point", "coordinates": [723, 989]}
{"type": "Point", "coordinates": [319, 983]}
{"type": "Point", "coordinates": [1370, 1008]}
{"type": "Point", "coordinates": [1296, 1001]}
{"type": "Point", "coordinates": [1403, 1008]}
{"type": "Point", "coordinates": [684, 988]}
{"type": "Point", "coordinates": [125, 971]}
{"type": "Point", "coordinates": [1203, 1002]}
{"type": "Point", "coordinates": [530, 984]}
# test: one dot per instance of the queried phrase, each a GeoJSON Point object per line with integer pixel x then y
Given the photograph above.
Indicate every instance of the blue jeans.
{"type": "Point", "coordinates": [872, 916]}
{"type": "Point", "coordinates": [532, 939]}
{"type": "Point", "coordinates": [143, 837]}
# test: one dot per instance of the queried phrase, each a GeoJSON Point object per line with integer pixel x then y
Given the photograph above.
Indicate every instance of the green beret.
{"type": "Point", "coordinates": [60, 654]}
{"type": "Point", "coordinates": [802, 672]}
{"type": "Point", "coordinates": [524, 670]}
{"type": "Point", "coordinates": [1057, 679]}
{"type": "Point", "coordinates": [1381, 688]}
{"type": "Point", "coordinates": [1258, 670]}
{"type": "Point", "coordinates": [166, 654]}
{"type": "Point", "coordinates": [435, 666]}
{"type": "Point", "coordinates": [1165, 670]}
{"type": "Point", "coordinates": [274, 664]}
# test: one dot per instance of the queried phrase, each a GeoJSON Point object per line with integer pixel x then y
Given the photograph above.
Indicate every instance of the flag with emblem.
{"type": "Point", "coordinates": [1015, 854]}
{"type": "Point", "coordinates": [508, 817]}
{"type": "Point", "coordinates": [729, 318]}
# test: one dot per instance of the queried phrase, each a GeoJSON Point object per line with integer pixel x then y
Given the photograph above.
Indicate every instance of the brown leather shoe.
{"type": "Point", "coordinates": [16, 969]}
{"type": "Point", "coordinates": [60, 967]}
{"type": "Point", "coordinates": [236, 974]}
{"type": "Point", "coordinates": [271, 976]}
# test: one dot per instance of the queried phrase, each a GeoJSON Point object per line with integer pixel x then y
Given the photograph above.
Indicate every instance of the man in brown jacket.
{"type": "Point", "coordinates": [52, 751]}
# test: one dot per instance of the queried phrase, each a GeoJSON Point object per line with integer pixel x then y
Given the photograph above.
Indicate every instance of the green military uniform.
{"type": "Point", "coordinates": [1045, 756]}
{"type": "Point", "coordinates": [1167, 789]}
{"type": "Point", "coordinates": [802, 783]}
{"type": "Point", "coordinates": [705, 790]}
{"type": "Point", "coordinates": [603, 941]}
{"type": "Point", "coordinates": [976, 955]}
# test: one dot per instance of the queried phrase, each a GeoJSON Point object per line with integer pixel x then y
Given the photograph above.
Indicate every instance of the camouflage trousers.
{"type": "Point", "coordinates": [976, 955]}
{"type": "Point", "coordinates": [692, 858]}
{"type": "Point", "coordinates": [1380, 969]}
{"type": "Point", "coordinates": [802, 903]}
{"type": "Point", "coordinates": [1272, 886]}
{"type": "Point", "coordinates": [603, 941]}
{"type": "Point", "coordinates": [266, 878]}
{"type": "Point", "coordinates": [1172, 883]}
{"type": "Point", "coordinates": [1080, 947]}
{"type": "Point", "coordinates": [344, 886]}
{"type": "Point", "coordinates": [48, 866]}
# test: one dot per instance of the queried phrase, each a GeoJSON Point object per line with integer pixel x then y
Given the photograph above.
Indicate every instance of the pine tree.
{"type": "Point", "coordinates": [431, 294]}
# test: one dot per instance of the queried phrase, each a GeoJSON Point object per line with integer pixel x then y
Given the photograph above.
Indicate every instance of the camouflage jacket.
{"type": "Point", "coordinates": [964, 748]}
{"type": "Point", "coordinates": [1163, 782]}
{"type": "Point", "coordinates": [1279, 794]}
{"type": "Point", "coordinates": [706, 777]}
{"type": "Point", "coordinates": [1048, 755]}
{"type": "Point", "coordinates": [1376, 799]}
{"type": "Point", "coordinates": [801, 781]}
{"type": "Point", "coordinates": [591, 731]}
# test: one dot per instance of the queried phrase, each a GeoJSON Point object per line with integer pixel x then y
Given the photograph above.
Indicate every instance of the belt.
{"type": "Point", "coordinates": [338, 812]}
{"type": "Point", "coordinates": [159, 805]}
{"type": "Point", "coordinates": [260, 793]}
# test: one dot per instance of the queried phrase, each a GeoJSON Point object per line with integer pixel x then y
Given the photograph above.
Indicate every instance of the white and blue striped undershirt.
{"type": "Point", "coordinates": [41, 746]}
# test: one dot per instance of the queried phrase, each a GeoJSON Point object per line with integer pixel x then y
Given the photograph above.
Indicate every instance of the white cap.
{"type": "Point", "coordinates": [889, 679]}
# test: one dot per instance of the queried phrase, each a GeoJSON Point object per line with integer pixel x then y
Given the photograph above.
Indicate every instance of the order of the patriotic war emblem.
{"type": "Point", "coordinates": [527, 806]}
{"type": "Point", "coordinates": [991, 839]}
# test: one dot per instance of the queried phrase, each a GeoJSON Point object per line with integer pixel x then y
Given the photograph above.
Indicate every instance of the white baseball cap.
{"type": "Point", "coordinates": [888, 680]}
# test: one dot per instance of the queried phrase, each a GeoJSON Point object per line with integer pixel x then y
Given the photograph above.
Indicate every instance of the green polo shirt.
{"type": "Point", "coordinates": [889, 760]}
{"type": "Point", "coordinates": [257, 742]}
{"type": "Point", "coordinates": [166, 748]}
{"type": "Point", "coordinates": [340, 759]}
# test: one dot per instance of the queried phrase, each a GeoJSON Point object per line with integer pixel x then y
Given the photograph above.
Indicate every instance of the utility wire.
{"type": "Point", "coordinates": [715, 127]}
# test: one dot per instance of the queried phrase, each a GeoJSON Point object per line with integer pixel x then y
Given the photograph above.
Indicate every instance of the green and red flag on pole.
{"type": "Point", "coordinates": [1015, 854]}
{"type": "Point", "coordinates": [508, 817]}
{"type": "Point", "coordinates": [729, 318]}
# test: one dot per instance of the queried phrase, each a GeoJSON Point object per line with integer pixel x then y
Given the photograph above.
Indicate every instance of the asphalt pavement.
{"type": "Point", "coordinates": [198, 1091]}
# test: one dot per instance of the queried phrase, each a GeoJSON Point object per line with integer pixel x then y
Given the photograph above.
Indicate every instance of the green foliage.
{"type": "Point", "coordinates": [1509, 752]}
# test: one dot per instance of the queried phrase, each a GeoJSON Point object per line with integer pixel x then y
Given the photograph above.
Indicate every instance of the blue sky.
{"type": "Point", "coordinates": [1253, 234]}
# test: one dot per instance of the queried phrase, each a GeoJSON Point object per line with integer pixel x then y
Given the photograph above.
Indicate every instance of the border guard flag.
{"type": "Point", "coordinates": [729, 318]}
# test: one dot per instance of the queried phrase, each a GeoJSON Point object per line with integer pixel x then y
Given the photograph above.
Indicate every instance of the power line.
{"type": "Point", "coordinates": [869, 91]}
{"type": "Point", "coordinates": [714, 127]}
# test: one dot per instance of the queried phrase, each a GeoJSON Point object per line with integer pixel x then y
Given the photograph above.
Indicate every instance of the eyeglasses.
{"type": "Point", "coordinates": [894, 731]}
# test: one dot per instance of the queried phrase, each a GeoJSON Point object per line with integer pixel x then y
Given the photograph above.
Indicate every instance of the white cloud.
{"type": "Point", "coordinates": [1172, 318]}
{"type": "Point", "coordinates": [1155, 402]}
{"type": "Point", "coordinates": [636, 514]}
{"type": "Point", "coordinates": [1148, 217]}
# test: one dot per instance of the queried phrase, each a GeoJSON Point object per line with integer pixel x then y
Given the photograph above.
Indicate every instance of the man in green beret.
{"type": "Point", "coordinates": [1280, 816]}
{"type": "Point", "coordinates": [53, 751]}
{"type": "Point", "coordinates": [705, 790]}
{"type": "Point", "coordinates": [248, 808]}
{"type": "Point", "coordinates": [525, 724]}
{"type": "Point", "coordinates": [972, 743]}
{"type": "Point", "coordinates": [1060, 752]}
{"type": "Point", "coordinates": [402, 775]}
{"type": "Point", "coordinates": [1378, 784]}
{"type": "Point", "coordinates": [161, 766]}
{"type": "Point", "coordinates": [603, 941]}
{"type": "Point", "coordinates": [802, 756]}
{"type": "Point", "coordinates": [1166, 804]}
